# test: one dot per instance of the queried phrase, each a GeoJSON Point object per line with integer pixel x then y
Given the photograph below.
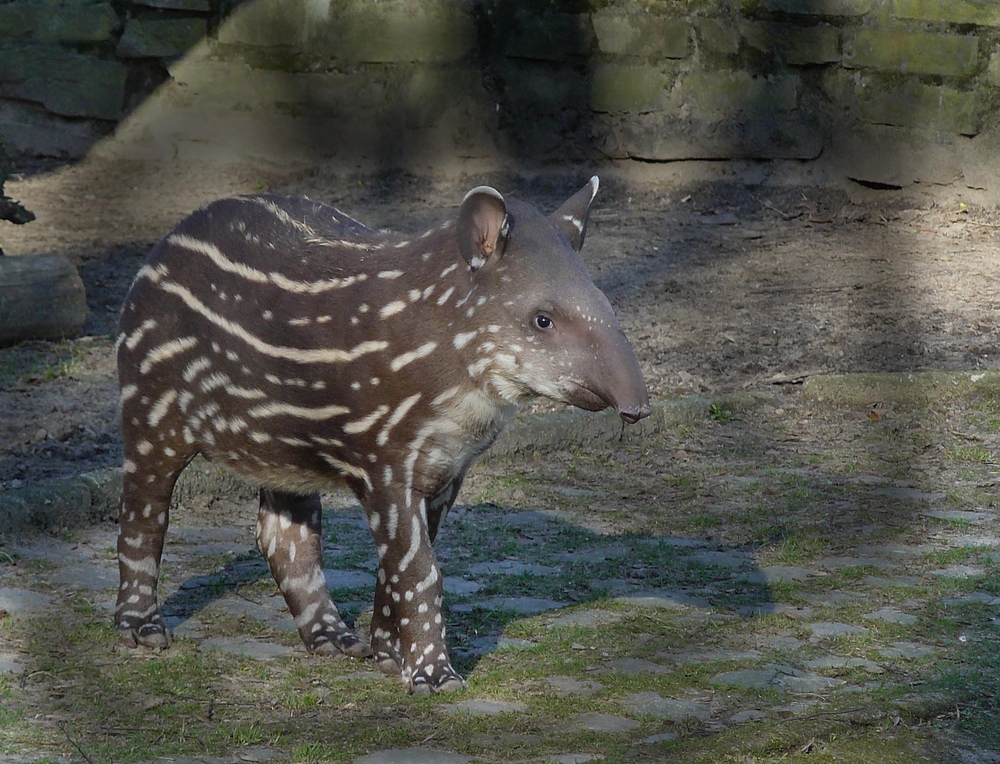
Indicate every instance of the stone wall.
{"type": "Point", "coordinates": [887, 92]}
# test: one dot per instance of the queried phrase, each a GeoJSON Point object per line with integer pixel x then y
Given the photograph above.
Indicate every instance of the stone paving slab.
{"type": "Point", "coordinates": [413, 756]}
{"type": "Point", "coordinates": [248, 648]}
{"type": "Point", "coordinates": [606, 723]}
{"type": "Point", "coordinates": [20, 601]}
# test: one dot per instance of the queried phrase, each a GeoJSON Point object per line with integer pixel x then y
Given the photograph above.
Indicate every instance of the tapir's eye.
{"type": "Point", "coordinates": [543, 322]}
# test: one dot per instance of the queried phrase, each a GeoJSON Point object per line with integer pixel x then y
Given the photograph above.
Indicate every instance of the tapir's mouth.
{"type": "Point", "coordinates": [590, 400]}
{"type": "Point", "coordinates": [584, 398]}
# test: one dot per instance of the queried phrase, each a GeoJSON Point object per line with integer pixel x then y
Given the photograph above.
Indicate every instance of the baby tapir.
{"type": "Point", "coordinates": [285, 340]}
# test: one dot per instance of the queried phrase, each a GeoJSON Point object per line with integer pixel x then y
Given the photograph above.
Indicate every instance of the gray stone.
{"type": "Point", "coordinates": [783, 643]}
{"type": "Point", "coordinates": [519, 605]}
{"type": "Point", "coordinates": [828, 629]}
{"type": "Point", "coordinates": [481, 707]}
{"type": "Point", "coordinates": [773, 574]}
{"type": "Point", "coordinates": [743, 717]}
{"type": "Point", "coordinates": [260, 755]}
{"type": "Point", "coordinates": [10, 663]}
{"type": "Point", "coordinates": [247, 648]}
{"type": "Point", "coordinates": [185, 628]}
{"type": "Point", "coordinates": [958, 572]}
{"type": "Point", "coordinates": [660, 737]}
{"type": "Point", "coordinates": [795, 612]}
{"type": "Point", "coordinates": [238, 607]}
{"type": "Point", "coordinates": [587, 619]}
{"type": "Point", "coordinates": [348, 579]}
{"type": "Point", "coordinates": [839, 662]}
{"type": "Point", "coordinates": [567, 685]}
{"type": "Point", "coordinates": [964, 515]}
{"type": "Point", "coordinates": [781, 677]}
{"type": "Point", "coordinates": [977, 598]}
{"type": "Point", "coordinates": [662, 599]}
{"type": "Point", "coordinates": [729, 559]}
{"type": "Point", "coordinates": [17, 601]}
{"type": "Point", "coordinates": [891, 615]}
{"type": "Point", "coordinates": [596, 722]}
{"type": "Point", "coordinates": [837, 563]}
{"type": "Point", "coordinates": [460, 587]}
{"type": "Point", "coordinates": [979, 540]}
{"type": "Point", "coordinates": [511, 568]}
{"type": "Point", "coordinates": [708, 656]}
{"type": "Point", "coordinates": [573, 758]}
{"type": "Point", "coordinates": [86, 576]}
{"type": "Point", "coordinates": [637, 666]}
{"type": "Point", "coordinates": [666, 709]}
{"type": "Point", "coordinates": [907, 650]}
{"type": "Point", "coordinates": [413, 756]}
{"type": "Point", "coordinates": [909, 494]}
{"type": "Point", "coordinates": [888, 582]}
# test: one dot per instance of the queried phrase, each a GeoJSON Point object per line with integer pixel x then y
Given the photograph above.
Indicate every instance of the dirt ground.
{"type": "Point", "coordinates": [720, 285]}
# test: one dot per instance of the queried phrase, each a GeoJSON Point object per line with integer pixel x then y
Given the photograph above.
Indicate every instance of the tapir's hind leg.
{"type": "Point", "coordinates": [142, 524]}
{"type": "Point", "coordinates": [289, 535]}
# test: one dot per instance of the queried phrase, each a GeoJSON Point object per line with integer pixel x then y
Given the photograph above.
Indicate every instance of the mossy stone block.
{"type": "Point", "coordinates": [819, 7]}
{"type": "Point", "coordinates": [160, 38]}
{"type": "Point", "coordinates": [66, 83]}
{"type": "Point", "coordinates": [641, 34]}
{"type": "Point", "coordinates": [397, 33]}
{"type": "Point", "coordinates": [993, 71]}
{"type": "Point", "coordinates": [549, 36]}
{"type": "Point", "coordinates": [720, 36]}
{"type": "Point", "coordinates": [732, 92]}
{"type": "Point", "coordinates": [797, 45]}
{"type": "Point", "coordinates": [912, 52]}
{"type": "Point", "coordinates": [627, 87]}
{"type": "Point", "coordinates": [30, 20]}
{"type": "Point", "coordinates": [980, 12]}
{"type": "Point", "coordinates": [886, 100]}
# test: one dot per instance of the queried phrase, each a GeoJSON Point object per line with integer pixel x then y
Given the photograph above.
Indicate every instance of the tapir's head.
{"type": "Point", "coordinates": [554, 331]}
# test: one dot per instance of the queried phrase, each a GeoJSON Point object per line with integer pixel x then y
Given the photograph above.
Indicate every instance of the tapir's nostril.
{"type": "Point", "coordinates": [633, 414]}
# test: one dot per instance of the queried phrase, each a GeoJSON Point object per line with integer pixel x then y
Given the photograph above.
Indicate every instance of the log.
{"type": "Point", "coordinates": [41, 298]}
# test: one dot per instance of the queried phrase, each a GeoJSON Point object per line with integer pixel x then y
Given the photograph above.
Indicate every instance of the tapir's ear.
{"type": "Point", "coordinates": [482, 226]}
{"type": "Point", "coordinates": [571, 218]}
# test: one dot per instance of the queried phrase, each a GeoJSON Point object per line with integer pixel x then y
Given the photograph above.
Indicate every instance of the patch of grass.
{"type": "Point", "coordinates": [968, 454]}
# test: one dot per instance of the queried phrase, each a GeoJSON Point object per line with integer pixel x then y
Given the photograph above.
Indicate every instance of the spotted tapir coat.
{"type": "Point", "coordinates": [292, 344]}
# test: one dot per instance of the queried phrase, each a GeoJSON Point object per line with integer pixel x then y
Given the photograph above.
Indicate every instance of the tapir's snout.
{"type": "Point", "coordinates": [632, 414]}
{"type": "Point", "coordinates": [615, 381]}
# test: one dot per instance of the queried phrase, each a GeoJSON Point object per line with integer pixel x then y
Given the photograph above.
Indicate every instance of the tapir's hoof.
{"type": "Point", "coordinates": [387, 666]}
{"type": "Point", "coordinates": [453, 683]}
{"type": "Point", "coordinates": [152, 635]}
{"type": "Point", "coordinates": [342, 644]}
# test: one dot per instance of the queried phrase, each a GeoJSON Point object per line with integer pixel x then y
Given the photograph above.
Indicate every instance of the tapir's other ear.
{"type": "Point", "coordinates": [571, 218]}
{"type": "Point", "coordinates": [482, 226]}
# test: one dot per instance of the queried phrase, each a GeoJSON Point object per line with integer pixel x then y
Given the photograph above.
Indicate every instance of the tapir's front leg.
{"type": "Point", "coordinates": [289, 535]}
{"type": "Point", "coordinates": [407, 623]}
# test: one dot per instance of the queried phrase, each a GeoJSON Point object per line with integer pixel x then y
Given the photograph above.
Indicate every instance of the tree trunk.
{"type": "Point", "coordinates": [41, 298]}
